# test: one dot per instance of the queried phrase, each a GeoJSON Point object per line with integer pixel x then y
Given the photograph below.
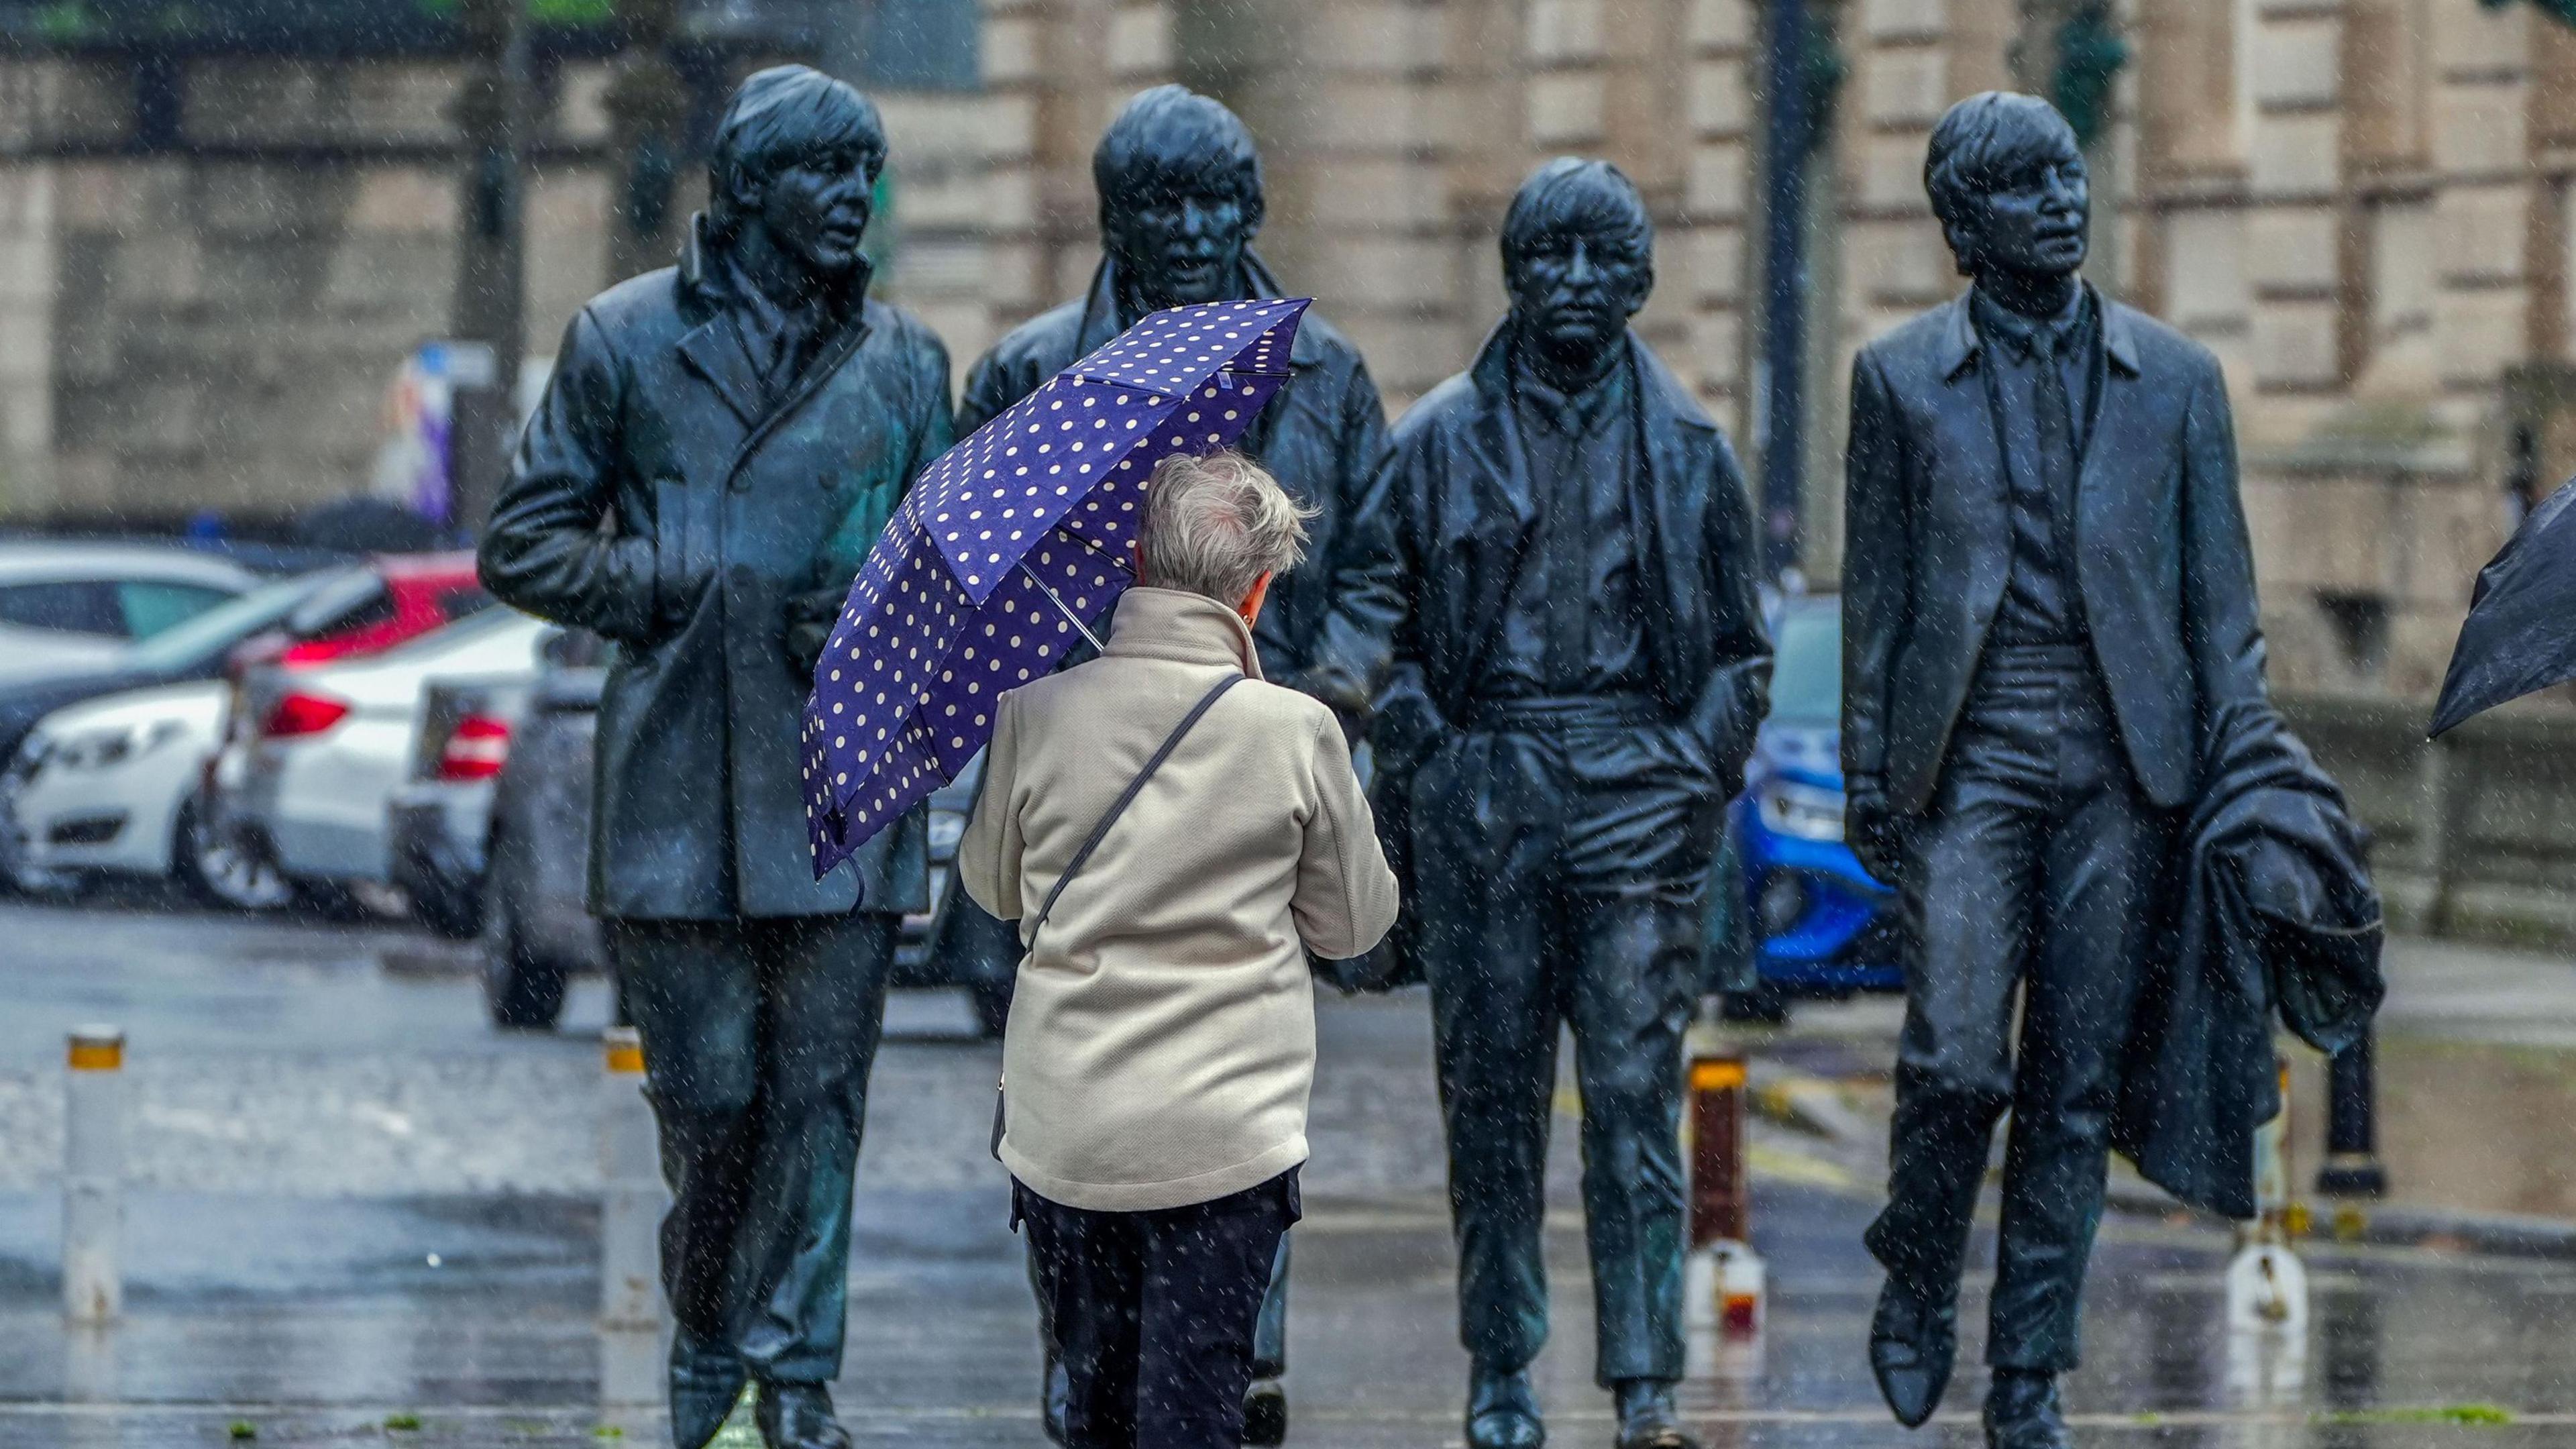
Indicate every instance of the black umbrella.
{"type": "Point", "coordinates": [2521, 631]}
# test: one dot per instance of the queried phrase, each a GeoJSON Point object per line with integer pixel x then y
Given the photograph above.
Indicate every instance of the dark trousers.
{"type": "Point", "coordinates": [1560, 880]}
{"type": "Point", "coordinates": [1153, 1312]}
{"type": "Point", "coordinates": [2035, 867]}
{"type": "Point", "coordinates": [973, 945]}
{"type": "Point", "coordinates": [758, 1036]}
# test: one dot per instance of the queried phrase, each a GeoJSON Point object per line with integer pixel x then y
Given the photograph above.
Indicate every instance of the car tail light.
{"type": "Point", "coordinates": [476, 750]}
{"type": "Point", "coordinates": [300, 714]}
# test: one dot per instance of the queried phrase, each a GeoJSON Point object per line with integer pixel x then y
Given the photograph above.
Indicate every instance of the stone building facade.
{"type": "Point", "coordinates": [2361, 205]}
{"type": "Point", "coordinates": [213, 325]}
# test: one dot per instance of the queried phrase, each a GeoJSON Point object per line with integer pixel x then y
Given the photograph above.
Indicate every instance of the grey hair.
{"type": "Point", "coordinates": [1215, 525]}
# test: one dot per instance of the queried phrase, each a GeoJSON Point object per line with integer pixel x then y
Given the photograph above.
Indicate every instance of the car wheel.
{"type": "Point", "coordinates": [222, 873]}
{"type": "Point", "coordinates": [453, 910]}
{"type": "Point", "coordinates": [992, 1005]}
{"type": "Point", "coordinates": [521, 990]}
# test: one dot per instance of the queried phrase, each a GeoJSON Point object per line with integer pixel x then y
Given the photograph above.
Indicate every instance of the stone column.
{"type": "Point", "coordinates": [1716, 205]}
{"type": "Point", "coordinates": [491, 113]}
{"type": "Point", "coordinates": [27, 263]}
{"type": "Point", "coordinates": [648, 111]}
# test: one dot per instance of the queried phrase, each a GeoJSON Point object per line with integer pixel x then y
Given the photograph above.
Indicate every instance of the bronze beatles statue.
{"type": "Point", "coordinates": [715, 453]}
{"type": "Point", "coordinates": [1552, 585]}
{"type": "Point", "coordinates": [2049, 597]}
{"type": "Point", "coordinates": [1181, 200]}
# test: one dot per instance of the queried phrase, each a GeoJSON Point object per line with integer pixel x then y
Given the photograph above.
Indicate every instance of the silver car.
{"type": "Point", "coordinates": [80, 605]}
{"type": "Point", "coordinates": [331, 743]}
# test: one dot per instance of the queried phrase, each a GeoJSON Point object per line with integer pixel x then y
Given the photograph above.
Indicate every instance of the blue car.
{"type": "Point", "coordinates": [1816, 922]}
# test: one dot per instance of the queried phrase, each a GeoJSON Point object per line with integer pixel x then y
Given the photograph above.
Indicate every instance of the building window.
{"type": "Point", "coordinates": [921, 45]}
{"type": "Point", "coordinates": [2360, 623]}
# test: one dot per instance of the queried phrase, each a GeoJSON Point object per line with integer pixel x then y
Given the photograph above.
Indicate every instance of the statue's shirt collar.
{"type": "Point", "coordinates": [2019, 333]}
{"type": "Point", "coordinates": [1577, 414]}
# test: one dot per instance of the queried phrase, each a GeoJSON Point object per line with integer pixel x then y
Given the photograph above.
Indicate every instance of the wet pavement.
{"type": "Point", "coordinates": [357, 1207]}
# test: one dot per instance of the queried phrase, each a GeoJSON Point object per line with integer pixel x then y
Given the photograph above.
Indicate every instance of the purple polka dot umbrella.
{"type": "Point", "coordinates": [1008, 549]}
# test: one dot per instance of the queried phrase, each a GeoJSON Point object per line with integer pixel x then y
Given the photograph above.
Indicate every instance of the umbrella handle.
{"type": "Point", "coordinates": [1064, 609]}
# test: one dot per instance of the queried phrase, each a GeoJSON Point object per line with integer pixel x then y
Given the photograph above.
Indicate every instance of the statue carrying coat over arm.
{"type": "Point", "coordinates": [716, 451]}
{"type": "Point", "coordinates": [2053, 709]}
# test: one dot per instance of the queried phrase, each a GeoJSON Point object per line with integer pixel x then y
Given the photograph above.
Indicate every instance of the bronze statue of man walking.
{"type": "Point", "coordinates": [2048, 598]}
{"type": "Point", "coordinates": [1181, 201]}
{"type": "Point", "coordinates": [718, 448]}
{"type": "Point", "coordinates": [1551, 585]}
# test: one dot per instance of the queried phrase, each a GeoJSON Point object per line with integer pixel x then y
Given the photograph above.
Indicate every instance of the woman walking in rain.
{"type": "Point", "coordinates": [1174, 835]}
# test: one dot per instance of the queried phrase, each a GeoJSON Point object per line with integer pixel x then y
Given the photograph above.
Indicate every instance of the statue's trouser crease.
{"type": "Point", "coordinates": [758, 1036]}
{"type": "Point", "coordinates": [2035, 866]}
{"type": "Point", "coordinates": [1561, 876]}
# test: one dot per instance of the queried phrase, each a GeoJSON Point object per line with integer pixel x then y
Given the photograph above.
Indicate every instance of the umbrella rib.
{"type": "Point", "coordinates": [1064, 609]}
{"type": "Point", "coordinates": [1065, 527]}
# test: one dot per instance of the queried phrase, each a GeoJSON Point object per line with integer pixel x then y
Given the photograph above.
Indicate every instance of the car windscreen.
{"type": "Point", "coordinates": [221, 627]}
{"type": "Point", "coordinates": [1807, 666]}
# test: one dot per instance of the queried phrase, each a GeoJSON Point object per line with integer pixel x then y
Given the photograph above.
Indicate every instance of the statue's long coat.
{"type": "Point", "coordinates": [660, 499]}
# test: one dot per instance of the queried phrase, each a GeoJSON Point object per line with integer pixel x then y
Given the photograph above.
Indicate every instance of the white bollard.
{"type": "Point", "coordinates": [2267, 1286]}
{"type": "Point", "coordinates": [2267, 1291]}
{"type": "Point", "coordinates": [631, 1195]}
{"type": "Point", "coordinates": [93, 1175]}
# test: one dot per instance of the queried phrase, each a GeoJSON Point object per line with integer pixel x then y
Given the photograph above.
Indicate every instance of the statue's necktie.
{"type": "Point", "coordinates": [2054, 423]}
{"type": "Point", "coordinates": [1567, 529]}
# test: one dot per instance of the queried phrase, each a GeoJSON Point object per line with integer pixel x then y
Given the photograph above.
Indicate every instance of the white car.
{"type": "Point", "coordinates": [109, 786]}
{"type": "Point", "coordinates": [334, 741]}
{"type": "Point", "coordinates": [79, 605]}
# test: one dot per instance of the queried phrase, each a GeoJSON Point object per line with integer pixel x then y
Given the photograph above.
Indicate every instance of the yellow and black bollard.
{"type": "Point", "coordinates": [1726, 1277]}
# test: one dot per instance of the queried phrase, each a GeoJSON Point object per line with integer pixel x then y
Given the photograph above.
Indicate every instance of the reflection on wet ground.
{"type": "Point", "coordinates": [355, 1205]}
{"type": "Point", "coordinates": [494, 1344]}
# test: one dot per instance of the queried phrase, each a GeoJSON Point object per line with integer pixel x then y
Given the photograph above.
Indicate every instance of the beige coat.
{"type": "Point", "coordinates": [1161, 1043]}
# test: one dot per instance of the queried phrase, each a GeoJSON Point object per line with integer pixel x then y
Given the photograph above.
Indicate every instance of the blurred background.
{"type": "Point", "coordinates": [259, 256]}
{"type": "Point", "coordinates": [279, 788]}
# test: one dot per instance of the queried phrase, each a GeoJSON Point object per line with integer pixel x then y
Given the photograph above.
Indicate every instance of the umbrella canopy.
{"type": "Point", "coordinates": [1007, 548]}
{"type": "Point", "coordinates": [2521, 631]}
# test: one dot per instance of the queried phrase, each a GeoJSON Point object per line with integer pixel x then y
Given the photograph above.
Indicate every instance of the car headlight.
{"type": "Point", "coordinates": [101, 749]}
{"type": "Point", "coordinates": [1805, 812]}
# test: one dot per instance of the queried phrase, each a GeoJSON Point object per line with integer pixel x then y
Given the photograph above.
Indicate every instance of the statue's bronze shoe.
{"type": "Point", "coordinates": [1913, 1342]}
{"type": "Point", "coordinates": [2022, 1411]}
{"type": "Point", "coordinates": [1647, 1419]}
{"type": "Point", "coordinates": [1502, 1410]}
{"type": "Point", "coordinates": [1265, 1413]}
{"type": "Point", "coordinates": [799, 1416]}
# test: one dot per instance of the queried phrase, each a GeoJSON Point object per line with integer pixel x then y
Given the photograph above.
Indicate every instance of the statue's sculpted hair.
{"type": "Point", "coordinates": [1572, 194]}
{"type": "Point", "coordinates": [780, 116]}
{"type": "Point", "coordinates": [1172, 139]}
{"type": "Point", "coordinates": [1981, 140]}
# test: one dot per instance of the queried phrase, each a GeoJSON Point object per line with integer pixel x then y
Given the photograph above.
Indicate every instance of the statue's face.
{"type": "Point", "coordinates": [816, 210]}
{"type": "Point", "coordinates": [2035, 219]}
{"type": "Point", "coordinates": [1181, 247]}
{"type": "Point", "coordinates": [1575, 289]}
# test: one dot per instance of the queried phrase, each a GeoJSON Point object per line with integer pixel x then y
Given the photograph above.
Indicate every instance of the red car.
{"type": "Point", "coordinates": [407, 595]}
{"type": "Point", "coordinates": [368, 609]}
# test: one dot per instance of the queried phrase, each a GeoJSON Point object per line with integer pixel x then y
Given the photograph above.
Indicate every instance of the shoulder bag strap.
{"type": "Point", "coordinates": [1135, 787]}
{"type": "Point", "coordinates": [1100, 832]}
